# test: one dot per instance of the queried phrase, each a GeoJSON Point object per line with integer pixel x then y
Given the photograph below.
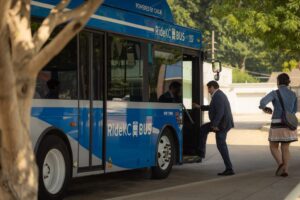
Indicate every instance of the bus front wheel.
{"type": "Point", "coordinates": [165, 155]}
{"type": "Point", "coordinates": [54, 168]}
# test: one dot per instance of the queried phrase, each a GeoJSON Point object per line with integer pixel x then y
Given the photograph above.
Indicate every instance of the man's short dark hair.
{"type": "Point", "coordinates": [175, 85]}
{"type": "Point", "coordinates": [213, 84]}
{"type": "Point", "coordinates": [283, 79]}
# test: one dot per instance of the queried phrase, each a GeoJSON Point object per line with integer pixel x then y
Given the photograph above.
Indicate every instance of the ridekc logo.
{"type": "Point", "coordinates": [133, 129]}
{"type": "Point", "coordinates": [169, 33]}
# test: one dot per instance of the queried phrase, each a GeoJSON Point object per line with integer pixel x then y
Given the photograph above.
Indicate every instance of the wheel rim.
{"type": "Point", "coordinates": [54, 171]}
{"type": "Point", "coordinates": [164, 152]}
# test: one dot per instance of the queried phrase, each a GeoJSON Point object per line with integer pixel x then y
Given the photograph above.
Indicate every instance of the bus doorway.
{"type": "Point", "coordinates": [91, 106]}
{"type": "Point", "coordinates": [192, 93]}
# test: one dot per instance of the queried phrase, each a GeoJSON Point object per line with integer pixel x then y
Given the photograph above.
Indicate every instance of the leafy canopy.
{"type": "Point", "coordinates": [255, 35]}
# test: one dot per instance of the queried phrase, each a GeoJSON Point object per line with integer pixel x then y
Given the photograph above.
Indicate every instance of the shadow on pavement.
{"type": "Point", "coordinates": [245, 159]}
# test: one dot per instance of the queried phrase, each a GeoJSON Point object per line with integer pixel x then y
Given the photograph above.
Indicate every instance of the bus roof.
{"type": "Point", "coordinates": [147, 19]}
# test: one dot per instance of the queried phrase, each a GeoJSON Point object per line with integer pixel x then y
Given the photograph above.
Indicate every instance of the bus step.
{"type": "Point", "coordinates": [191, 159]}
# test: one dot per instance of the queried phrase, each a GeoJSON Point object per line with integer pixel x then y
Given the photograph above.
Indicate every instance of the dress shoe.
{"type": "Point", "coordinates": [227, 172]}
{"type": "Point", "coordinates": [199, 160]}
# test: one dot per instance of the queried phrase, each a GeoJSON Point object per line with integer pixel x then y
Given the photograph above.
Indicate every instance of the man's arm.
{"type": "Point", "coordinates": [202, 108]}
{"type": "Point", "coordinates": [220, 111]}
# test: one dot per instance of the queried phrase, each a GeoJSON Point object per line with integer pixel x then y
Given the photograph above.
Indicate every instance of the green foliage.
{"type": "Point", "coordinates": [289, 65]}
{"type": "Point", "coordinates": [255, 35]}
{"type": "Point", "coordinates": [183, 11]}
{"type": "Point", "coordinates": [191, 13]}
{"type": "Point", "coordinates": [275, 22]}
{"type": "Point", "coordinates": [242, 77]}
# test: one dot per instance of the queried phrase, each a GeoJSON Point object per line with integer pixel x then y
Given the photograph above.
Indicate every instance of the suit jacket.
{"type": "Point", "coordinates": [167, 98]}
{"type": "Point", "coordinates": [219, 111]}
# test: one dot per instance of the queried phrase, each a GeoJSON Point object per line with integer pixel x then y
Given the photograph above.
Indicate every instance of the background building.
{"type": "Point", "coordinates": [295, 81]}
{"type": "Point", "coordinates": [244, 97]}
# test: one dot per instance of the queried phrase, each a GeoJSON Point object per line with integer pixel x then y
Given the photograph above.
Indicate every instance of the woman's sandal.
{"type": "Point", "coordinates": [279, 170]}
{"type": "Point", "coordinates": [284, 174]}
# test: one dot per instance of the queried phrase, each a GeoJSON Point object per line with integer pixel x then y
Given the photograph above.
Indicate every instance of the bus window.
{"type": "Point", "coordinates": [187, 84]}
{"type": "Point", "coordinates": [58, 80]}
{"type": "Point", "coordinates": [125, 70]}
{"type": "Point", "coordinates": [167, 68]}
{"type": "Point", "coordinates": [98, 64]}
{"type": "Point", "coordinates": [84, 64]}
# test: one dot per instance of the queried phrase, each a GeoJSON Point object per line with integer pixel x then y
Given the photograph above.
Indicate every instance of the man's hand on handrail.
{"type": "Point", "coordinates": [202, 108]}
{"type": "Point", "coordinates": [195, 105]}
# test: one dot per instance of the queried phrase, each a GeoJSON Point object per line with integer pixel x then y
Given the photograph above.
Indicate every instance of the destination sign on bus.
{"type": "Point", "coordinates": [149, 9]}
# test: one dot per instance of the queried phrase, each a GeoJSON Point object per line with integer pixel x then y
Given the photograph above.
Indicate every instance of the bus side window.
{"type": "Point", "coordinates": [125, 71]}
{"type": "Point", "coordinates": [58, 79]}
{"type": "Point", "coordinates": [166, 69]}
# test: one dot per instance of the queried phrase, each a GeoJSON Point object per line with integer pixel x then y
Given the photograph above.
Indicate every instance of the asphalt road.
{"type": "Point", "coordinates": [249, 153]}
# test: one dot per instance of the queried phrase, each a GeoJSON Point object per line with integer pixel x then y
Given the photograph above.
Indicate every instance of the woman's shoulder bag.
{"type": "Point", "coordinates": [289, 119]}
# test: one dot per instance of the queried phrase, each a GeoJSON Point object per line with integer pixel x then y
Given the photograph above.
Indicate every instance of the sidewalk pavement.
{"type": "Point", "coordinates": [255, 179]}
{"type": "Point", "coordinates": [259, 185]}
{"type": "Point", "coordinates": [251, 158]}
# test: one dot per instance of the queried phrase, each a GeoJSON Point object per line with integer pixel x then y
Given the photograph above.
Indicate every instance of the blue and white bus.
{"type": "Point", "coordinates": [96, 106]}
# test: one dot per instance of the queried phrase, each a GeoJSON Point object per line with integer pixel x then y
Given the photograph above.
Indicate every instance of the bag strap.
{"type": "Point", "coordinates": [280, 99]}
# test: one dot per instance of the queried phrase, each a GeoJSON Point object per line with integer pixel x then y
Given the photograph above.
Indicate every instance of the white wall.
{"type": "Point", "coordinates": [244, 98]}
{"type": "Point", "coordinates": [208, 75]}
{"type": "Point", "coordinates": [225, 75]}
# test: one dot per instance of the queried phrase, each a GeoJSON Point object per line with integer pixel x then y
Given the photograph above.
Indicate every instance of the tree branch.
{"type": "Point", "coordinates": [56, 17]}
{"type": "Point", "coordinates": [18, 20]}
{"type": "Point", "coordinates": [4, 7]}
{"type": "Point", "coordinates": [26, 9]}
{"type": "Point", "coordinates": [21, 8]}
{"type": "Point", "coordinates": [65, 35]}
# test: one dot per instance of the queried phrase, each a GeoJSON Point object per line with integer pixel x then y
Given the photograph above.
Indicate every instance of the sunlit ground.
{"type": "Point", "coordinates": [250, 156]}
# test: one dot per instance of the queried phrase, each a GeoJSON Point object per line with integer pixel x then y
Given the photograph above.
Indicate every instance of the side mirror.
{"type": "Point", "coordinates": [217, 76]}
{"type": "Point", "coordinates": [216, 66]}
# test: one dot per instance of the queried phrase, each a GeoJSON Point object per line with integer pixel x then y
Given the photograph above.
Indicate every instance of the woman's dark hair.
{"type": "Point", "coordinates": [213, 84]}
{"type": "Point", "coordinates": [283, 79]}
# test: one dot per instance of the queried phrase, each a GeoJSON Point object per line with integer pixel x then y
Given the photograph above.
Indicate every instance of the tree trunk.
{"type": "Point", "coordinates": [22, 56]}
{"type": "Point", "coordinates": [18, 171]}
{"type": "Point", "coordinates": [242, 64]}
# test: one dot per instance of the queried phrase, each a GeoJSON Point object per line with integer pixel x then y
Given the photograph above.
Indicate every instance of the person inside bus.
{"type": "Point", "coordinates": [221, 121]}
{"type": "Point", "coordinates": [173, 95]}
{"type": "Point", "coordinates": [53, 87]}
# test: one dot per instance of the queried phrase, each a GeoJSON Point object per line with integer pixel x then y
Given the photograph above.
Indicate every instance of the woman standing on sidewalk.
{"type": "Point", "coordinates": [279, 133]}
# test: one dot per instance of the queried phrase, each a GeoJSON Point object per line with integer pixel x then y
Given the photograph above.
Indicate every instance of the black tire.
{"type": "Point", "coordinates": [53, 142]}
{"type": "Point", "coordinates": [158, 172]}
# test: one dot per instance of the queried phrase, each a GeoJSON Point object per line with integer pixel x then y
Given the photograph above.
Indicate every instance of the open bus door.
{"type": "Point", "coordinates": [192, 92]}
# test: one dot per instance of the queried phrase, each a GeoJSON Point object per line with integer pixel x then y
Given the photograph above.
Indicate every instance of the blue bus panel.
{"type": "Point", "coordinates": [132, 133]}
{"type": "Point", "coordinates": [126, 18]}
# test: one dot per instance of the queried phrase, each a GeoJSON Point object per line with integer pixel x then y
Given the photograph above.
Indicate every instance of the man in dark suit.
{"type": "Point", "coordinates": [173, 95]}
{"type": "Point", "coordinates": [221, 121]}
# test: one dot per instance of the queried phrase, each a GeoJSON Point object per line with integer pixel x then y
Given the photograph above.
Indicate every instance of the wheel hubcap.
{"type": "Point", "coordinates": [54, 171]}
{"type": "Point", "coordinates": [164, 153]}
